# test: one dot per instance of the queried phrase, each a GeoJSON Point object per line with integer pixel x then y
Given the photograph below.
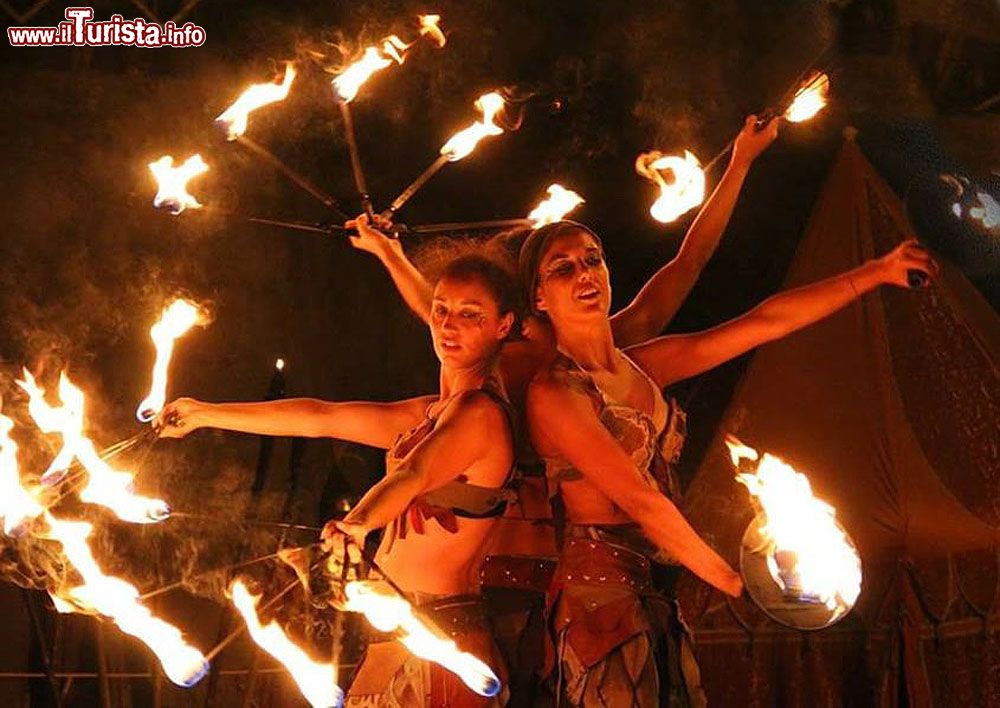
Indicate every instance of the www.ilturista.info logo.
{"type": "Point", "coordinates": [79, 30]}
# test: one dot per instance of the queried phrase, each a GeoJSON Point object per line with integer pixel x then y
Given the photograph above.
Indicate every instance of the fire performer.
{"type": "Point", "coordinates": [595, 416]}
{"type": "Point", "coordinates": [520, 563]}
{"type": "Point", "coordinates": [449, 464]}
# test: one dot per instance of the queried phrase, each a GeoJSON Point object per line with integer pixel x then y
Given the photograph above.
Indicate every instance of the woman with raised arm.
{"type": "Point", "coordinates": [521, 560]}
{"type": "Point", "coordinates": [596, 417]}
{"type": "Point", "coordinates": [448, 473]}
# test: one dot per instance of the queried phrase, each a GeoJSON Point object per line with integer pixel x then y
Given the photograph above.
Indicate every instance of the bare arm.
{"type": "Point", "coordinates": [471, 430]}
{"type": "Point", "coordinates": [564, 421]}
{"type": "Point", "coordinates": [364, 422]}
{"type": "Point", "coordinates": [410, 282]}
{"type": "Point", "coordinates": [672, 358]}
{"type": "Point", "coordinates": [662, 295]}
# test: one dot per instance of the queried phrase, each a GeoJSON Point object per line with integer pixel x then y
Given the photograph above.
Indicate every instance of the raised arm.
{"type": "Point", "coordinates": [563, 420]}
{"type": "Point", "coordinates": [662, 295]}
{"type": "Point", "coordinates": [672, 358]}
{"type": "Point", "coordinates": [416, 291]}
{"type": "Point", "coordinates": [470, 431]}
{"type": "Point", "coordinates": [368, 423]}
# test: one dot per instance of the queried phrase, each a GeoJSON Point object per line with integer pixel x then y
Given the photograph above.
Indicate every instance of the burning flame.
{"type": "Point", "coordinates": [684, 192]}
{"type": "Point", "coordinates": [349, 81]}
{"type": "Point", "coordinates": [388, 612]}
{"type": "Point", "coordinates": [177, 318]}
{"type": "Point", "coordinates": [119, 600]}
{"type": "Point", "coordinates": [234, 119]}
{"type": "Point", "coordinates": [108, 596]}
{"type": "Point", "coordinates": [559, 203]}
{"type": "Point", "coordinates": [429, 27]}
{"type": "Point", "coordinates": [803, 528]}
{"type": "Point", "coordinates": [172, 182]}
{"type": "Point", "coordinates": [464, 141]}
{"type": "Point", "coordinates": [105, 486]}
{"type": "Point", "coordinates": [318, 682]}
{"type": "Point", "coordinates": [17, 505]}
{"type": "Point", "coordinates": [810, 99]}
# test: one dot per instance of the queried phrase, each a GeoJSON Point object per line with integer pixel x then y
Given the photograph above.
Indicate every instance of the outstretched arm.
{"type": "Point", "coordinates": [471, 430]}
{"type": "Point", "coordinates": [410, 282]}
{"type": "Point", "coordinates": [364, 422]}
{"type": "Point", "coordinates": [672, 358]}
{"type": "Point", "coordinates": [563, 420]}
{"type": "Point", "coordinates": [662, 295]}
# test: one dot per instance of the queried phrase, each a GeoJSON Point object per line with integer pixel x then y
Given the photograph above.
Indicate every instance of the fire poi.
{"type": "Point", "coordinates": [809, 558]}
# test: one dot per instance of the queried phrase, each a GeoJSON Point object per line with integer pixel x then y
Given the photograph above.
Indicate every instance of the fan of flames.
{"type": "Point", "coordinates": [802, 528]}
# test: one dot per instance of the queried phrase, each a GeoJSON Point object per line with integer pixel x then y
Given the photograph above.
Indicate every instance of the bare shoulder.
{"type": "Point", "coordinates": [476, 407]}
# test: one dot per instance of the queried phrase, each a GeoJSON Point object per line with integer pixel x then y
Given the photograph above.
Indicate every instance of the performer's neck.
{"type": "Point", "coordinates": [454, 381]}
{"type": "Point", "coordinates": [591, 345]}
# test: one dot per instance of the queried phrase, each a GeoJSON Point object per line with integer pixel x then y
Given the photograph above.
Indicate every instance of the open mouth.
{"type": "Point", "coordinates": [449, 346]}
{"type": "Point", "coordinates": [588, 294]}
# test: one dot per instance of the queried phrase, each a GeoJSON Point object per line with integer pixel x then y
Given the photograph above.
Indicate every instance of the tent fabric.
{"type": "Point", "coordinates": [890, 407]}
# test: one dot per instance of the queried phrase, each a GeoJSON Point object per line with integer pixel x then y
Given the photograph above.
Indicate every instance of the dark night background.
{"type": "Point", "coordinates": [86, 263]}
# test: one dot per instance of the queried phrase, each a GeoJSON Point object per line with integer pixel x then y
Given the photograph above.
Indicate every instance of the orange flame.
{"type": "Point", "coordinates": [684, 192]}
{"type": "Point", "coordinates": [349, 82]}
{"type": "Point", "coordinates": [105, 486]}
{"type": "Point", "coordinates": [17, 504]}
{"type": "Point", "coordinates": [172, 182]}
{"type": "Point", "coordinates": [559, 203]}
{"type": "Point", "coordinates": [464, 141]}
{"type": "Point", "coordinates": [119, 600]}
{"type": "Point", "coordinates": [316, 681]}
{"type": "Point", "coordinates": [810, 99]}
{"type": "Point", "coordinates": [234, 119]}
{"type": "Point", "coordinates": [388, 612]}
{"type": "Point", "coordinates": [177, 318]}
{"type": "Point", "coordinates": [429, 27]}
{"type": "Point", "coordinates": [798, 524]}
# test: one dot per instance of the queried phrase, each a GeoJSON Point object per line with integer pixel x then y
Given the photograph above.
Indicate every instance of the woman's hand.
{"type": "Point", "coordinates": [907, 256]}
{"type": "Point", "coordinates": [337, 535]}
{"type": "Point", "coordinates": [178, 418]}
{"type": "Point", "coordinates": [372, 234]}
{"type": "Point", "coordinates": [751, 141]}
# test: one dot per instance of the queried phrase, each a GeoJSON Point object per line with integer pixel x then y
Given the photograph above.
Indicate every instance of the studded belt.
{"type": "Point", "coordinates": [586, 561]}
{"type": "Point", "coordinates": [517, 572]}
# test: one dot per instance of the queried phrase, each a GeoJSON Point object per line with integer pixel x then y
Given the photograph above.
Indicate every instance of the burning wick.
{"type": "Point", "coordinates": [389, 612]}
{"type": "Point", "coordinates": [810, 99]}
{"type": "Point", "coordinates": [429, 28]}
{"type": "Point", "coordinates": [172, 183]}
{"type": "Point", "coordinates": [347, 84]}
{"type": "Point", "coordinates": [177, 318]}
{"type": "Point", "coordinates": [316, 681]}
{"type": "Point", "coordinates": [559, 203]}
{"type": "Point", "coordinates": [234, 119]}
{"type": "Point", "coordinates": [810, 557]}
{"type": "Point", "coordinates": [460, 145]}
{"type": "Point", "coordinates": [684, 191]}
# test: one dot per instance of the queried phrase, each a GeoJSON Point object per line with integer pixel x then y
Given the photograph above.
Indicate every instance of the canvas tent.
{"type": "Point", "coordinates": [891, 407]}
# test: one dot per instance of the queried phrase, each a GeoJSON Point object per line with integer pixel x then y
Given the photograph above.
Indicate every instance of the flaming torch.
{"type": "Point", "coordinates": [105, 486]}
{"type": "Point", "coordinates": [177, 318]}
{"type": "Point", "coordinates": [429, 28]}
{"type": "Point", "coordinates": [682, 192]}
{"type": "Point", "coordinates": [234, 119]}
{"type": "Point", "coordinates": [172, 182]}
{"type": "Point", "coordinates": [810, 99]}
{"type": "Point", "coordinates": [458, 146]}
{"type": "Point", "coordinates": [387, 611]}
{"type": "Point", "coordinates": [559, 203]}
{"type": "Point", "coordinates": [316, 681]}
{"type": "Point", "coordinates": [808, 555]}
